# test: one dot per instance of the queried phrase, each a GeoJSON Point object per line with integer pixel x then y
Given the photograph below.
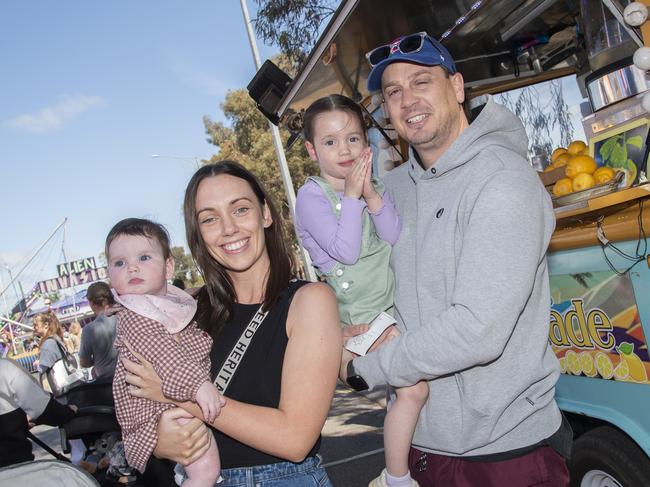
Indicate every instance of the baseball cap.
{"type": "Point", "coordinates": [418, 48]}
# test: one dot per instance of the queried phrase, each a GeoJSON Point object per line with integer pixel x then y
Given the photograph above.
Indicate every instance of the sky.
{"type": "Point", "coordinates": [90, 90]}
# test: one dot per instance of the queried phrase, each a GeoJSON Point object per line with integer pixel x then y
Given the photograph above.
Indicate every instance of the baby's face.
{"type": "Point", "coordinates": [136, 265]}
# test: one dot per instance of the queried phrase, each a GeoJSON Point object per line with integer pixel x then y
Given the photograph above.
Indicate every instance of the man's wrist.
{"type": "Point", "coordinates": [354, 380]}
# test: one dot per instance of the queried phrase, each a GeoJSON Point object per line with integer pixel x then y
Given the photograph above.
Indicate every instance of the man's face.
{"type": "Point", "coordinates": [424, 105]}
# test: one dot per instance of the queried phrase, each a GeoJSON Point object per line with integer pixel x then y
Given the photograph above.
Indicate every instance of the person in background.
{"type": "Point", "coordinates": [472, 298]}
{"type": "Point", "coordinates": [48, 328]}
{"type": "Point", "coordinates": [96, 348]}
{"type": "Point", "coordinates": [23, 401]}
{"type": "Point", "coordinates": [73, 337]}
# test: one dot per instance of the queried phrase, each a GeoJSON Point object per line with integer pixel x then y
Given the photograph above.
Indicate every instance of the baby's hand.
{"type": "Point", "coordinates": [210, 401]}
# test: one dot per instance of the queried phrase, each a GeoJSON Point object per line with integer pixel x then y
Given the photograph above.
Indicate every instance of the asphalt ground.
{"type": "Point", "coordinates": [352, 447]}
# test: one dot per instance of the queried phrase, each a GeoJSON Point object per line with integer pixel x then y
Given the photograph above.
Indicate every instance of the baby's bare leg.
{"type": "Point", "coordinates": [399, 426]}
{"type": "Point", "coordinates": [204, 472]}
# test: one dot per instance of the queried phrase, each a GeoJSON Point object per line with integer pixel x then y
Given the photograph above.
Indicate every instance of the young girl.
{"type": "Point", "coordinates": [348, 224]}
{"type": "Point", "coordinates": [156, 320]}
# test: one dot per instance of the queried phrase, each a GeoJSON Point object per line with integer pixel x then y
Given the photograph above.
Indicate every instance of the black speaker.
{"type": "Point", "coordinates": [267, 88]}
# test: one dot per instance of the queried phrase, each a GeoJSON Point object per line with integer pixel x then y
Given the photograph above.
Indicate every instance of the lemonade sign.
{"type": "Point", "coordinates": [595, 327]}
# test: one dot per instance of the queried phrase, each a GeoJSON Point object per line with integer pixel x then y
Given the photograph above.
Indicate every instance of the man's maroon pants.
{"type": "Point", "coordinates": [543, 467]}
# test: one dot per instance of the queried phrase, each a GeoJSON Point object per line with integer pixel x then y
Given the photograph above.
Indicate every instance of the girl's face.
{"type": "Point", "coordinates": [137, 265]}
{"type": "Point", "coordinates": [39, 327]}
{"type": "Point", "coordinates": [232, 222]}
{"type": "Point", "coordinates": [339, 139]}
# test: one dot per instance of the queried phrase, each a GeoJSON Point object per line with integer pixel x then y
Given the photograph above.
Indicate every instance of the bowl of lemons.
{"type": "Point", "coordinates": [583, 179]}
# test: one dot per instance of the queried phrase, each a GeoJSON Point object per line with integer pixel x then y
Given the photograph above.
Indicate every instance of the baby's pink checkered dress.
{"type": "Point", "coordinates": [182, 361]}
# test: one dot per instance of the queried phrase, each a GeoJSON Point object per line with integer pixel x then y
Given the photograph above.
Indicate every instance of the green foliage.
{"type": "Point", "coordinates": [185, 268]}
{"type": "Point", "coordinates": [293, 25]}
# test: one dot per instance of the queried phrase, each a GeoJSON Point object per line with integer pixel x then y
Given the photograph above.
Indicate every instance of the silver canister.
{"type": "Point", "coordinates": [610, 87]}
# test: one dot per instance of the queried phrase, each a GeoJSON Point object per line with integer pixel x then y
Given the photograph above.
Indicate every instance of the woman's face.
{"type": "Point", "coordinates": [39, 327]}
{"type": "Point", "coordinates": [232, 222]}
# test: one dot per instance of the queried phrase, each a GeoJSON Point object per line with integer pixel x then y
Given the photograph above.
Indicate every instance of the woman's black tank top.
{"type": "Point", "coordinates": [258, 379]}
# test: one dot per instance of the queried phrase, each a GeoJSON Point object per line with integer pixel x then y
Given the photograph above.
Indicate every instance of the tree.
{"type": "Point", "coordinates": [293, 25]}
{"type": "Point", "coordinates": [185, 268]}
{"type": "Point", "coordinates": [540, 118]}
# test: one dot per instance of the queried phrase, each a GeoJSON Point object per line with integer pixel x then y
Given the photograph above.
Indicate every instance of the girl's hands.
{"type": "Point", "coordinates": [370, 195]}
{"type": "Point", "coordinates": [182, 443]}
{"type": "Point", "coordinates": [359, 172]}
{"type": "Point", "coordinates": [142, 378]}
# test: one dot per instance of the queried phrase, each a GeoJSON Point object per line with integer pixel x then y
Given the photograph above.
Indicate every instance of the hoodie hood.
{"type": "Point", "coordinates": [495, 126]}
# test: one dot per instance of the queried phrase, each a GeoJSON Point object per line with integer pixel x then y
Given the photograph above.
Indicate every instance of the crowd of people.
{"type": "Point", "coordinates": [234, 380]}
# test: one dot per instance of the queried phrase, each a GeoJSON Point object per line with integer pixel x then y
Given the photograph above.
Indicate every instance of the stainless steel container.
{"type": "Point", "coordinates": [614, 83]}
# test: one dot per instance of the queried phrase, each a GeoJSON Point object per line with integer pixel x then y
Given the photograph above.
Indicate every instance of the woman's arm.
{"type": "Point", "coordinates": [309, 373]}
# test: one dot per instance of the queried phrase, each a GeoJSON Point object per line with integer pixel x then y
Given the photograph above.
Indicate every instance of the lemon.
{"type": "Point", "coordinates": [576, 147]}
{"type": "Point", "coordinates": [562, 186]}
{"type": "Point", "coordinates": [587, 364]}
{"type": "Point", "coordinates": [573, 362]}
{"type": "Point", "coordinates": [603, 175]}
{"type": "Point", "coordinates": [562, 159]}
{"type": "Point", "coordinates": [585, 152]}
{"type": "Point", "coordinates": [583, 181]}
{"type": "Point", "coordinates": [635, 367]}
{"type": "Point", "coordinates": [604, 365]}
{"type": "Point", "coordinates": [578, 164]}
{"type": "Point", "coordinates": [622, 371]}
{"type": "Point", "coordinates": [557, 152]}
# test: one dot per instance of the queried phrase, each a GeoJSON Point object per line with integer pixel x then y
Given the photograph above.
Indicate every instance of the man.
{"type": "Point", "coordinates": [472, 295]}
{"type": "Point", "coordinates": [97, 339]}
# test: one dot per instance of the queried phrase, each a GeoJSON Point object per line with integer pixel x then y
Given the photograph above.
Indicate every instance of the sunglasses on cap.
{"type": "Point", "coordinates": [406, 45]}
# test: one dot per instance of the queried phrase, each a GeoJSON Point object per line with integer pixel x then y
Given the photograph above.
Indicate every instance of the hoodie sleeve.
{"type": "Point", "coordinates": [504, 242]}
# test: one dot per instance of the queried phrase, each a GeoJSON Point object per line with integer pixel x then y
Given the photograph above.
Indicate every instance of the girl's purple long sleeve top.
{"type": "Point", "coordinates": [329, 239]}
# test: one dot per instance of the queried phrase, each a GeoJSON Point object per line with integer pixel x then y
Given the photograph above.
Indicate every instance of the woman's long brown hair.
{"type": "Point", "coordinates": [50, 320]}
{"type": "Point", "coordinates": [216, 300]}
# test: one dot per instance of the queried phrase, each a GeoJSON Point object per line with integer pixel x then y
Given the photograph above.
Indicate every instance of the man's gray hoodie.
{"type": "Point", "coordinates": [472, 294]}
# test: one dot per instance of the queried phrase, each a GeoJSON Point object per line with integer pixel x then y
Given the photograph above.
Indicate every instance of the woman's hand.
{"type": "Point", "coordinates": [181, 443]}
{"type": "Point", "coordinates": [142, 378]}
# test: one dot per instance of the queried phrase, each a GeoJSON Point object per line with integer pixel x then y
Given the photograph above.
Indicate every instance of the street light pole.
{"type": "Point", "coordinates": [279, 150]}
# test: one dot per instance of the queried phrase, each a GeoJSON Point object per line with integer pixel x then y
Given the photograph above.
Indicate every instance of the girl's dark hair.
{"type": "Point", "coordinates": [141, 228]}
{"type": "Point", "coordinates": [329, 104]}
{"type": "Point", "coordinates": [217, 298]}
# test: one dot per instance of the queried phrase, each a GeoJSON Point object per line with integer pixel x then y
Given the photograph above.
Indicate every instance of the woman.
{"type": "Point", "coordinates": [279, 396]}
{"type": "Point", "coordinates": [48, 328]}
{"type": "Point", "coordinates": [73, 337]}
{"type": "Point", "coordinates": [50, 331]}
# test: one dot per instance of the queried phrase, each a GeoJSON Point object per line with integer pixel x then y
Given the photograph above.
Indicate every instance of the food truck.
{"type": "Point", "coordinates": [598, 258]}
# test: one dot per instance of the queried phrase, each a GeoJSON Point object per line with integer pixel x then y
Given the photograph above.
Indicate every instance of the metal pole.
{"type": "Point", "coordinates": [33, 255]}
{"type": "Point", "coordinates": [279, 150]}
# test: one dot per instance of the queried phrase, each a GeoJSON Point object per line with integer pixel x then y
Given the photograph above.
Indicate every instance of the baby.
{"type": "Point", "coordinates": [155, 319]}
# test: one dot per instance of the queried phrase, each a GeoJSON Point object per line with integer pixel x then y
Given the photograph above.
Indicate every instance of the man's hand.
{"type": "Point", "coordinates": [210, 401]}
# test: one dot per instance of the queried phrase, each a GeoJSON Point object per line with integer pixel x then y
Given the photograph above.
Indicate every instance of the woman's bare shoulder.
{"type": "Point", "coordinates": [314, 303]}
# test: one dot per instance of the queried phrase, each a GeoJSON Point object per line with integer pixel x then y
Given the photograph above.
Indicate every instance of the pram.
{"type": "Point", "coordinates": [34, 474]}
